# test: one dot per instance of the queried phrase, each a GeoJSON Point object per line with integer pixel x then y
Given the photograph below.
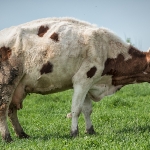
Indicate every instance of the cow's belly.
{"type": "Point", "coordinates": [52, 75]}
{"type": "Point", "coordinates": [45, 84]}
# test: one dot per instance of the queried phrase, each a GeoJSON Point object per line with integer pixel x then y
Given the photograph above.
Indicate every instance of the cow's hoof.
{"type": "Point", "coordinates": [74, 133]}
{"type": "Point", "coordinates": [7, 138]}
{"type": "Point", "coordinates": [90, 130]}
{"type": "Point", "coordinates": [23, 135]}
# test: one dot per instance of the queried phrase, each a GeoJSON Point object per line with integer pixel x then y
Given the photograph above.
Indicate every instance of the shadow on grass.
{"type": "Point", "coordinates": [138, 129]}
{"type": "Point", "coordinates": [47, 137]}
{"type": "Point", "coordinates": [57, 136]}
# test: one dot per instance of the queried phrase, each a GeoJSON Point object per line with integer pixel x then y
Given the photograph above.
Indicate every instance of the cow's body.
{"type": "Point", "coordinates": [51, 55]}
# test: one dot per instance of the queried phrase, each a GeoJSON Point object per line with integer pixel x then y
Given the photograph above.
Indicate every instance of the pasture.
{"type": "Point", "coordinates": [122, 122]}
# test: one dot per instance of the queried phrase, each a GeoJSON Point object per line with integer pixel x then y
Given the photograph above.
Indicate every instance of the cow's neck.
{"type": "Point", "coordinates": [128, 71]}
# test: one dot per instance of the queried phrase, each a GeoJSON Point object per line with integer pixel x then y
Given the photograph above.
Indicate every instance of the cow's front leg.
{"type": "Point", "coordinates": [77, 103]}
{"type": "Point", "coordinates": [82, 82]}
{"type": "Point", "coordinates": [87, 110]}
{"type": "Point", "coordinates": [15, 122]}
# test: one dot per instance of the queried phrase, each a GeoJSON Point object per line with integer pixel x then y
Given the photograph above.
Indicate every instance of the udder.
{"type": "Point", "coordinates": [18, 96]}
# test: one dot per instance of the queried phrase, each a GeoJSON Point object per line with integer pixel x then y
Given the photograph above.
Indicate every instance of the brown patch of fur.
{"type": "Point", "coordinates": [5, 53]}
{"type": "Point", "coordinates": [138, 78]}
{"type": "Point", "coordinates": [54, 37]}
{"type": "Point", "coordinates": [42, 31]}
{"type": "Point", "coordinates": [91, 72]}
{"type": "Point", "coordinates": [13, 74]}
{"type": "Point", "coordinates": [3, 109]}
{"type": "Point", "coordinates": [125, 71]}
{"type": "Point", "coordinates": [47, 68]}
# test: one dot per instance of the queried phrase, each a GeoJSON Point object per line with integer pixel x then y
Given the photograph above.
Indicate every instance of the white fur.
{"type": "Point", "coordinates": [80, 47]}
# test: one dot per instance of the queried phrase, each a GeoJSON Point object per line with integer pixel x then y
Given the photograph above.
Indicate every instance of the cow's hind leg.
{"type": "Point", "coordinates": [15, 122]}
{"type": "Point", "coordinates": [87, 110]}
{"type": "Point", "coordinates": [3, 123]}
{"type": "Point", "coordinates": [9, 77]}
{"type": "Point", "coordinates": [5, 98]}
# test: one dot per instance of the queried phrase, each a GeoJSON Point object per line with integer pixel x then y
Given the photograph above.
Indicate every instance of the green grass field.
{"type": "Point", "coordinates": [122, 122]}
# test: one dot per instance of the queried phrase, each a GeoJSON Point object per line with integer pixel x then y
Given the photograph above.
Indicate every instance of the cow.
{"type": "Point", "coordinates": [56, 54]}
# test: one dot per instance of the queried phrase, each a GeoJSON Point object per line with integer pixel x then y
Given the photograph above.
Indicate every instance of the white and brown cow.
{"type": "Point", "coordinates": [56, 54]}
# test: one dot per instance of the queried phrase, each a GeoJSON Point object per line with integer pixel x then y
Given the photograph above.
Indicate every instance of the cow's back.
{"type": "Point", "coordinates": [52, 51]}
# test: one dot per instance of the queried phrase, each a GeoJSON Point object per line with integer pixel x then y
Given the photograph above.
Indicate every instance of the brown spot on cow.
{"type": "Point", "coordinates": [54, 37]}
{"type": "Point", "coordinates": [5, 53]}
{"type": "Point", "coordinates": [3, 109]}
{"type": "Point", "coordinates": [91, 72]}
{"type": "Point", "coordinates": [127, 71]}
{"type": "Point", "coordinates": [46, 68]}
{"type": "Point", "coordinates": [42, 31]}
{"type": "Point", "coordinates": [13, 74]}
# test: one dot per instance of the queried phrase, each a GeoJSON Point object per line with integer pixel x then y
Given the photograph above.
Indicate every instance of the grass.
{"type": "Point", "coordinates": [122, 122]}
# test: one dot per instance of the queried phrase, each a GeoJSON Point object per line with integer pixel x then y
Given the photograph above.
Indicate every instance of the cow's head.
{"type": "Point", "coordinates": [134, 70]}
{"type": "Point", "coordinates": [147, 70]}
